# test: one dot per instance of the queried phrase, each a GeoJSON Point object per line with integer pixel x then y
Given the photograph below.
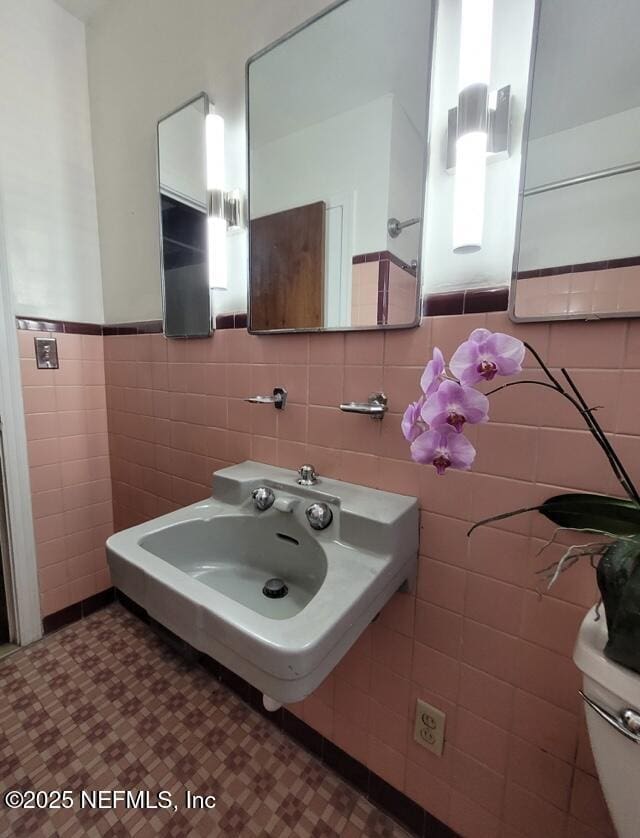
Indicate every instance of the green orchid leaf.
{"type": "Point", "coordinates": [617, 517]}
{"type": "Point", "coordinates": [597, 513]}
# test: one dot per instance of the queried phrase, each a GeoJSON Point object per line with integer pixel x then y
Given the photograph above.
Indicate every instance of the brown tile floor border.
{"type": "Point", "coordinates": [374, 790]}
{"type": "Point", "coordinates": [60, 619]}
{"type": "Point", "coordinates": [412, 816]}
{"type": "Point", "coordinates": [107, 703]}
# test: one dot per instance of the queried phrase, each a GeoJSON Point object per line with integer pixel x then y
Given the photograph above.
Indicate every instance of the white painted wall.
{"type": "Point", "coordinates": [407, 158]}
{"type": "Point", "coordinates": [46, 168]}
{"type": "Point", "coordinates": [443, 269]}
{"type": "Point", "coordinates": [134, 78]}
{"type": "Point", "coordinates": [145, 57]}
{"type": "Point", "coordinates": [592, 221]}
{"type": "Point", "coordinates": [182, 153]}
{"type": "Point", "coordinates": [328, 159]}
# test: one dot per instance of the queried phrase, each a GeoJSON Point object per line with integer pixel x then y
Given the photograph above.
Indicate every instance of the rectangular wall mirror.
{"type": "Point", "coordinates": [337, 138]}
{"type": "Point", "coordinates": [579, 240]}
{"type": "Point", "coordinates": [182, 180]}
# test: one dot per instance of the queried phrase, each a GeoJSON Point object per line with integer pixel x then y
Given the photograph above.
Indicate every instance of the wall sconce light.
{"type": "Point", "coordinates": [224, 207]}
{"type": "Point", "coordinates": [478, 128]}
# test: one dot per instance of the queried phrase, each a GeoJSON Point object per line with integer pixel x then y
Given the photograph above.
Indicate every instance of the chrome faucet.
{"type": "Point", "coordinates": [263, 498]}
{"type": "Point", "coordinates": [307, 475]}
{"type": "Point", "coordinates": [319, 516]}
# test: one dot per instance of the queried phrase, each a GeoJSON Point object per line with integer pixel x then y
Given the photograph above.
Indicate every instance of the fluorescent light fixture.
{"type": "Point", "coordinates": [471, 143]}
{"type": "Point", "coordinates": [217, 249]}
{"type": "Point", "coordinates": [475, 43]}
{"type": "Point", "coordinates": [214, 129]}
{"type": "Point", "coordinates": [468, 192]}
{"type": "Point", "coordinates": [216, 222]}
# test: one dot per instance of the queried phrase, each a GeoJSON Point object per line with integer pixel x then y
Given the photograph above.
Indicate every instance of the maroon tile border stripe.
{"type": "Point", "coordinates": [469, 301]}
{"type": "Point", "coordinates": [381, 255]}
{"type": "Point", "coordinates": [383, 292]}
{"type": "Point", "coordinates": [141, 327]}
{"type": "Point", "coordinates": [36, 324]}
{"type": "Point", "coordinates": [604, 265]}
{"type": "Point", "coordinates": [466, 301]}
{"type": "Point", "coordinates": [232, 321]}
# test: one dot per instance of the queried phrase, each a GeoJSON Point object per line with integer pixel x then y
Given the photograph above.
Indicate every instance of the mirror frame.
{"type": "Point", "coordinates": [430, 44]}
{"type": "Point", "coordinates": [543, 318]}
{"type": "Point", "coordinates": [207, 105]}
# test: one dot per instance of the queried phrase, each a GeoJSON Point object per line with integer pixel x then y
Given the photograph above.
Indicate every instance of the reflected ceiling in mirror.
{"type": "Point", "coordinates": [579, 249]}
{"type": "Point", "coordinates": [337, 133]}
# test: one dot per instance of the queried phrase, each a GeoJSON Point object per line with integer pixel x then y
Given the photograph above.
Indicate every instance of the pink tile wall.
{"type": "Point", "coordinates": [474, 638]}
{"type": "Point", "coordinates": [402, 295]}
{"type": "Point", "coordinates": [66, 421]}
{"type": "Point", "coordinates": [611, 290]}
{"type": "Point", "coordinates": [364, 293]}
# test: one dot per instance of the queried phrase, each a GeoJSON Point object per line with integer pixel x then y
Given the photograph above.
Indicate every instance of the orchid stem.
{"type": "Point", "coordinates": [522, 381]}
{"type": "Point", "coordinates": [596, 429]}
{"type": "Point", "coordinates": [543, 384]}
{"type": "Point", "coordinates": [587, 414]}
{"type": "Point", "coordinates": [592, 424]}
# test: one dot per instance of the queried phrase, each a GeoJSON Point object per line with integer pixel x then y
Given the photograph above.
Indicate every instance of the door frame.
{"type": "Point", "coordinates": [22, 583]}
{"type": "Point", "coordinates": [346, 201]}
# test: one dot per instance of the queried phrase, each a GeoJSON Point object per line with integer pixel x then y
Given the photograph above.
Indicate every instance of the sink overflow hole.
{"type": "Point", "coordinates": [275, 588]}
{"type": "Point", "coordinates": [285, 537]}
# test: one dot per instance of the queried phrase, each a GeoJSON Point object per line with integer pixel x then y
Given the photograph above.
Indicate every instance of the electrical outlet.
{"type": "Point", "coordinates": [429, 729]}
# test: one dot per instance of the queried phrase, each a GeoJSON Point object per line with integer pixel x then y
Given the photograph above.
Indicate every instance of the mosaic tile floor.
{"type": "Point", "coordinates": [104, 704]}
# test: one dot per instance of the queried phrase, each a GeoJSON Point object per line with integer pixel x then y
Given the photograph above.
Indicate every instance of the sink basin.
{"type": "Point", "coordinates": [237, 554]}
{"type": "Point", "coordinates": [272, 599]}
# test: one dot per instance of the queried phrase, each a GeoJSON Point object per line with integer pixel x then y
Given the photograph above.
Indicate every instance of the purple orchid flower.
{"type": "Point", "coordinates": [433, 373]}
{"type": "Point", "coordinates": [412, 424]}
{"type": "Point", "coordinates": [443, 448]}
{"type": "Point", "coordinates": [487, 354]}
{"type": "Point", "coordinates": [454, 404]}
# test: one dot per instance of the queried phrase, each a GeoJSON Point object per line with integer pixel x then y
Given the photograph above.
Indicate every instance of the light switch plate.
{"type": "Point", "coordinates": [429, 728]}
{"type": "Point", "coordinates": [46, 353]}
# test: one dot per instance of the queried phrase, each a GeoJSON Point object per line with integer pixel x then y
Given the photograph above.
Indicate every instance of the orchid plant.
{"type": "Point", "coordinates": [434, 423]}
{"type": "Point", "coordinates": [434, 427]}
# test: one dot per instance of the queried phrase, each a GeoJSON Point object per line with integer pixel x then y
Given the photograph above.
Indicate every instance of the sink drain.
{"type": "Point", "coordinates": [275, 588]}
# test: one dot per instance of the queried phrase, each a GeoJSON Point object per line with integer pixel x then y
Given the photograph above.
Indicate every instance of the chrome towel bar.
{"type": "Point", "coordinates": [278, 400]}
{"type": "Point", "coordinates": [375, 407]}
{"type": "Point", "coordinates": [586, 178]}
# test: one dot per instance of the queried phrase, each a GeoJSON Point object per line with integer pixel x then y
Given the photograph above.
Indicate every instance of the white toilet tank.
{"type": "Point", "coordinates": [612, 689]}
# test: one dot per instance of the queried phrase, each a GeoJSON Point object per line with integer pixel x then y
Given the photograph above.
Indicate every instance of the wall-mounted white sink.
{"type": "Point", "coordinates": [201, 571]}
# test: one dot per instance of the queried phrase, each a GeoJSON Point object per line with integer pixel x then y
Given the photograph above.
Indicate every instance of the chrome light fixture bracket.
{"type": "Point", "coordinates": [228, 205]}
{"type": "Point", "coordinates": [495, 116]}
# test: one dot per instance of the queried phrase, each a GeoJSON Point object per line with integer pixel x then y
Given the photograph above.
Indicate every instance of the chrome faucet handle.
{"type": "Point", "coordinates": [263, 497]}
{"type": "Point", "coordinates": [319, 516]}
{"type": "Point", "coordinates": [307, 475]}
{"type": "Point", "coordinates": [278, 400]}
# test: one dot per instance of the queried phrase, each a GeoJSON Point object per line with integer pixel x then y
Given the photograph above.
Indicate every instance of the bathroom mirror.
{"type": "Point", "coordinates": [337, 138]}
{"type": "Point", "coordinates": [579, 241]}
{"type": "Point", "coordinates": [182, 182]}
